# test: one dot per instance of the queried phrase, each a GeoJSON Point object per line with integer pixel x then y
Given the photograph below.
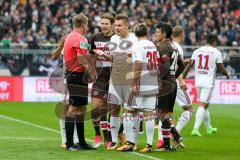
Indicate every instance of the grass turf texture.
{"type": "Point", "coordinates": [21, 141]}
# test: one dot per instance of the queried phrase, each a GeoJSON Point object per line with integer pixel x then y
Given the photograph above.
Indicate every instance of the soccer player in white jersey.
{"type": "Point", "coordinates": [207, 59]}
{"type": "Point", "coordinates": [120, 48]}
{"type": "Point", "coordinates": [144, 86]}
{"type": "Point", "coordinates": [183, 98]}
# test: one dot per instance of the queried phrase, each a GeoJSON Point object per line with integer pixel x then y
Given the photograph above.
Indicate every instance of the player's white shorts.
{"type": "Point", "coordinates": [204, 94]}
{"type": "Point", "coordinates": [183, 98]}
{"type": "Point", "coordinates": [118, 93]}
{"type": "Point", "coordinates": [146, 102]}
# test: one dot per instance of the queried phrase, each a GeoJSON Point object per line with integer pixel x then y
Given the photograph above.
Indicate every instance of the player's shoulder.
{"type": "Point", "coordinates": [115, 38]}
{"type": "Point", "coordinates": [133, 37]}
{"type": "Point", "coordinates": [96, 35]}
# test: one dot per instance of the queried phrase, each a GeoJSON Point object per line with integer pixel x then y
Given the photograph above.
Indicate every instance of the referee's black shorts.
{"type": "Point", "coordinates": [78, 89]}
{"type": "Point", "coordinates": [165, 103]}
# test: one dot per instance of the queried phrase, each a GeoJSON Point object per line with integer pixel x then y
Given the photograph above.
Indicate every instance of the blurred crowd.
{"type": "Point", "coordinates": [38, 22]}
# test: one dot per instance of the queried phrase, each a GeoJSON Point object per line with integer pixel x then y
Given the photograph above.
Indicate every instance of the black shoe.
{"type": "Point", "coordinates": [71, 148]}
{"type": "Point", "coordinates": [85, 147]}
{"type": "Point", "coordinates": [178, 143]}
{"type": "Point", "coordinates": [165, 148]}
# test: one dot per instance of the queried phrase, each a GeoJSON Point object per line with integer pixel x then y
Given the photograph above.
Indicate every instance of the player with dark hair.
{"type": "Point", "coordinates": [207, 60]}
{"type": "Point", "coordinates": [168, 72]}
{"type": "Point", "coordinates": [99, 91]}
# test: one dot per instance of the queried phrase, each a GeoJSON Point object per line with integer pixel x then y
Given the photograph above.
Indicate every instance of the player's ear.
{"type": "Point", "coordinates": [164, 34]}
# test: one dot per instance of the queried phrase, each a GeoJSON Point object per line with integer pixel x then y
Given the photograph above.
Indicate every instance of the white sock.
{"type": "Point", "coordinates": [183, 120]}
{"type": "Point", "coordinates": [160, 136]}
{"type": "Point", "coordinates": [115, 125]}
{"type": "Point", "coordinates": [128, 126]}
{"type": "Point", "coordinates": [199, 117]}
{"type": "Point", "coordinates": [75, 135]}
{"type": "Point", "coordinates": [136, 127]}
{"type": "Point", "coordinates": [63, 130]}
{"type": "Point", "coordinates": [150, 130]}
{"type": "Point", "coordinates": [207, 118]}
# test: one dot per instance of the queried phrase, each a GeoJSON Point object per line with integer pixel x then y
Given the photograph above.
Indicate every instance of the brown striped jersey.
{"type": "Point", "coordinates": [121, 50]}
{"type": "Point", "coordinates": [100, 41]}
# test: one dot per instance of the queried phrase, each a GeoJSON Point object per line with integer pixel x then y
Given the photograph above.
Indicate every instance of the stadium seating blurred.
{"type": "Point", "coordinates": [29, 29]}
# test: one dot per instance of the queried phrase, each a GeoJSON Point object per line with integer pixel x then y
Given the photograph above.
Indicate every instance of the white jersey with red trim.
{"type": "Point", "coordinates": [206, 58]}
{"type": "Point", "coordinates": [146, 52]}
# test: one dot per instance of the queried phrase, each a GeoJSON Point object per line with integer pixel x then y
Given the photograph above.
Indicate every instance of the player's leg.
{"type": "Point", "coordinates": [163, 115]}
{"type": "Point", "coordinates": [63, 115]}
{"type": "Point", "coordinates": [95, 115]}
{"type": "Point", "coordinates": [78, 100]}
{"type": "Point", "coordinates": [62, 125]}
{"type": "Point", "coordinates": [207, 122]}
{"type": "Point", "coordinates": [149, 104]}
{"type": "Point", "coordinates": [184, 101]}
{"type": "Point", "coordinates": [114, 102]}
{"type": "Point", "coordinates": [128, 124]}
{"type": "Point", "coordinates": [176, 136]}
{"type": "Point", "coordinates": [131, 121]}
{"type": "Point", "coordinates": [114, 124]}
{"type": "Point", "coordinates": [204, 95]}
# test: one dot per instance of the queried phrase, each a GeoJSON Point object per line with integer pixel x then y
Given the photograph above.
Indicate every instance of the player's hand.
{"type": "Point", "coordinates": [98, 52]}
{"type": "Point", "coordinates": [187, 61]}
{"type": "Point", "coordinates": [228, 77]}
{"type": "Point", "coordinates": [134, 90]}
{"type": "Point", "coordinates": [183, 85]}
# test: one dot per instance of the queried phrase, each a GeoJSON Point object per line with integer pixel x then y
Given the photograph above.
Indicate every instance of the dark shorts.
{"type": "Point", "coordinates": [78, 89]}
{"type": "Point", "coordinates": [165, 103]}
{"type": "Point", "coordinates": [100, 87]}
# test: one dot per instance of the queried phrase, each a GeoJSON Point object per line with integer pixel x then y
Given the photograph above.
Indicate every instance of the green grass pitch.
{"type": "Point", "coordinates": [31, 131]}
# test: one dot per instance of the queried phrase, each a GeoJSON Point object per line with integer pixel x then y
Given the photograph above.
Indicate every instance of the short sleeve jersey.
{"type": "Point", "coordinates": [121, 50]}
{"type": "Point", "coordinates": [75, 44]}
{"type": "Point", "coordinates": [206, 58]}
{"type": "Point", "coordinates": [146, 52]}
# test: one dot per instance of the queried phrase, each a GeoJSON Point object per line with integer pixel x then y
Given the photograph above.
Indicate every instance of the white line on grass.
{"type": "Point", "coordinates": [57, 131]}
{"type": "Point", "coordinates": [29, 138]}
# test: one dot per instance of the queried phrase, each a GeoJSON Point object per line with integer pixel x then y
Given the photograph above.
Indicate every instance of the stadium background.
{"type": "Point", "coordinates": [30, 30]}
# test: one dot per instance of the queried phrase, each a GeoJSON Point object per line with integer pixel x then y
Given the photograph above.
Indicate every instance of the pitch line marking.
{"type": "Point", "coordinates": [57, 131]}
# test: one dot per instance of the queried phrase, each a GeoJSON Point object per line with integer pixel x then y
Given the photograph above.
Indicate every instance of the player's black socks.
{"type": "Point", "coordinates": [166, 128]}
{"type": "Point", "coordinates": [109, 129]}
{"type": "Point", "coordinates": [175, 134]}
{"type": "Point", "coordinates": [80, 129]}
{"type": "Point", "coordinates": [96, 121]}
{"type": "Point", "coordinates": [121, 128]}
{"type": "Point", "coordinates": [141, 126]}
{"type": "Point", "coordinates": [69, 126]}
{"type": "Point", "coordinates": [104, 127]}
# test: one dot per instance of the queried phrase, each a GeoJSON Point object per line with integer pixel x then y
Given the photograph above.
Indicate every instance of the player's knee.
{"type": "Point", "coordinates": [95, 114]}
{"type": "Point", "coordinates": [149, 115]}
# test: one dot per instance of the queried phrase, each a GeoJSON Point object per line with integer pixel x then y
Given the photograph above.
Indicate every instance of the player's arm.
{"type": "Point", "coordinates": [102, 53]}
{"type": "Point", "coordinates": [222, 69]}
{"type": "Point", "coordinates": [180, 68]}
{"type": "Point", "coordinates": [220, 66]}
{"type": "Point", "coordinates": [187, 69]}
{"type": "Point", "coordinates": [57, 52]}
{"type": "Point", "coordinates": [136, 76]}
{"type": "Point", "coordinates": [85, 61]}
